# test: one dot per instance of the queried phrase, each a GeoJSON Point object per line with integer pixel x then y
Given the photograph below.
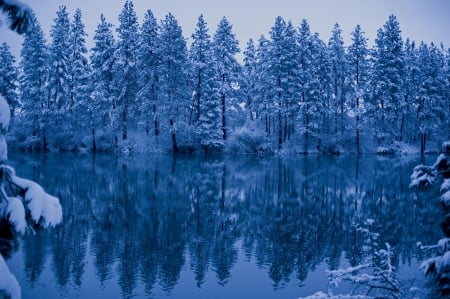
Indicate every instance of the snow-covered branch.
{"type": "Point", "coordinates": [19, 15]}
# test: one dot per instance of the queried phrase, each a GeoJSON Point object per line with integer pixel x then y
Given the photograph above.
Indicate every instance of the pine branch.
{"type": "Point", "coordinates": [19, 15]}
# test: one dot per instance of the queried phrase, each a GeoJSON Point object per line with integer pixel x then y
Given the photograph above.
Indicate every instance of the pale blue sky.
{"type": "Point", "coordinates": [421, 20]}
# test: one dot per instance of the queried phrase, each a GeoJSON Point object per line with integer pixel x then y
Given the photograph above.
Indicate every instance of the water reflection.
{"type": "Point", "coordinates": [142, 220]}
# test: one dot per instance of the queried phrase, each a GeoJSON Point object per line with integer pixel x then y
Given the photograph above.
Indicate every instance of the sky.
{"type": "Point", "coordinates": [420, 20]}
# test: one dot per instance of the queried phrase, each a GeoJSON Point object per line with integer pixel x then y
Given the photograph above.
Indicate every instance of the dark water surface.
{"type": "Point", "coordinates": [154, 226]}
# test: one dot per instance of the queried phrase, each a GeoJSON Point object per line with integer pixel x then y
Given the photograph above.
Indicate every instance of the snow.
{"type": "Point", "coordinates": [445, 185]}
{"type": "Point", "coordinates": [446, 147]}
{"type": "Point", "coordinates": [322, 295]}
{"type": "Point", "coordinates": [422, 176]}
{"type": "Point", "coordinates": [44, 208]}
{"type": "Point", "coordinates": [15, 212]}
{"type": "Point", "coordinates": [5, 114]}
{"type": "Point", "coordinates": [445, 198]}
{"type": "Point", "coordinates": [41, 204]}
{"type": "Point", "coordinates": [8, 283]}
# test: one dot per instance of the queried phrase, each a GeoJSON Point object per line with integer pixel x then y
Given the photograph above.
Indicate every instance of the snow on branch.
{"type": "Point", "coordinates": [44, 208]}
{"type": "Point", "coordinates": [19, 15]}
{"type": "Point", "coordinates": [8, 282]}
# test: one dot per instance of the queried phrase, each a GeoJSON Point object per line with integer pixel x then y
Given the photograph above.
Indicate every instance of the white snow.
{"type": "Point", "coordinates": [3, 148]}
{"type": "Point", "coordinates": [5, 114]}
{"type": "Point", "coordinates": [445, 185]}
{"type": "Point", "coordinates": [445, 198]}
{"type": "Point", "coordinates": [322, 295]}
{"type": "Point", "coordinates": [8, 282]}
{"type": "Point", "coordinates": [446, 147]}
{"type": "Point", "coordinates": [15, 212]}
{"type": "Point", "coordinates": [422, 176]}
{"type": "Point", "coordinates": [41, 204]}
{"type": "Point", "coordinates": [438, 160]}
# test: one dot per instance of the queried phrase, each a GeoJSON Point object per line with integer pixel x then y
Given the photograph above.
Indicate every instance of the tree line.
{"type": "Point", "coordinates": [145, 89]}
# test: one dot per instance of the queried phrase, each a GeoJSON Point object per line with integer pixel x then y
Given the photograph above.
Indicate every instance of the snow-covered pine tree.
{"type": "Point", "coordinates": [431, 101]}
{"type": "Point", "coordinates": [200, 56]}
{"type": "Point", "coordinates": [34, 85]}
{"type": "Point", "coordinates": [305, 66]}
{"type": "Point", "coordinates": [205, 110]}
{"type": "Point", "coordinates": [388, 83]}
{"type": "Point", "coordinates": [225, 47]}
{"type": "Point", "coordinates": [173, 78]}
{"type": "Point", "coordinates": [59, 80]}
{"type": "Point", "coordinates": [336, 54]}
{"type": "Point", "coordinates": [322, 110]}
{"type": "Point", "coordinates": [358, 79]}
{"type": "Point", "coordinates": [17, 194]}
{"type": "Point", "coordinates": [125, 68]}
{"type": "Point", "coordinates": [9, 76]}
{"type": "Point", "coordinates": [261, 104]}
{"type": "Point", "coordinates": [79, 78]}
{"type": "Point", "coordinates": [101, 104]}
{"type": "Point", "coordinates": [411, 88]}
{"type": "Point", "coordinates": [148, 61]}
{"type": "Point", "coordinates": [249, 77]}
{"type": "Point", "coordinates": [283, 76]}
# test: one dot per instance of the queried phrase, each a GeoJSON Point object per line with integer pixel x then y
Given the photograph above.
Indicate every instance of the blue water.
{"type": "Point", "coordinates": [155, 226]}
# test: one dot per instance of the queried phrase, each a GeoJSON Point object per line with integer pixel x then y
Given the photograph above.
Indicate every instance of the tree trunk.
{"type": "Point", "coordinates": [94, 143]}
{"type": "Point", "coordinates": [174, 138]}
{"type": "Point", "coordinates": [223, 118]}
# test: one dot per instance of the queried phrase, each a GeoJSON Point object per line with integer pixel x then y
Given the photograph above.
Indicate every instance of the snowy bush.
{"type": "Point", "coordinates": [19, 198]}
{"type": "Point", "coordinates": [439, 264]}
{"type": "Point", "coordinates": [374, 278]}
{"type": "Point", "coordinates": [9, 287]}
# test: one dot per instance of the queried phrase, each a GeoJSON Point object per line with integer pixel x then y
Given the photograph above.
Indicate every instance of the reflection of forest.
{"type": "Point", "coordinates": [144, 218]}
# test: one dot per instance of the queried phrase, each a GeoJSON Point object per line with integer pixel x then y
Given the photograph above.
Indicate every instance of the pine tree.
{"type": "Point", "coordinates": [322, 110]}
{"type": "Point", "coordinates": [387, 82]}
{"type": "Point", "coordinates": [33, 83]}
{"type": "Point", "coordinates": [9, 75]}
{"type": "Point", "coordinates": [338, 70]}
{"type": "Point", "coordinates": [358, 79]}
{"type": "Point", "coordinates": [431, 100]}
{"type": "Point", "coordinates": [59, 78]}
{"type": "Point", "coordinates": [125, 68]}
{"type": "Point", "coordinates": [305, 66]}
{"type": "Point", "coordinates": [261, 103]}
{"type": "Point", "coordinates": [79, 75]}
{"type": "Point", "coordinates": [148, 61]}
{"type": "Point", "coordinates": [412, 84]}
{"type": "Point", "coordinates": [250, 75]}
{"type": "Point", "coordinates": [283, 75]}
{"type": "Point", "coordinates": [173, 77]}
{"type": "Point", "coordinates": [102, 102]}
{"type": "Point", "coordinates": [225, 47]}
{"type": "Point", "coordinates": [206, 109]}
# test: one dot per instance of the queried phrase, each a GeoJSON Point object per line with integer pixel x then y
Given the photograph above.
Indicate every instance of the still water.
{"type": "Point", "coordinates": [156, 226]}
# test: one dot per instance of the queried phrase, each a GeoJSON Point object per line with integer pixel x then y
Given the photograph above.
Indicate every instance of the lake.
{"type": "Point", "coordinates": [158, 226]}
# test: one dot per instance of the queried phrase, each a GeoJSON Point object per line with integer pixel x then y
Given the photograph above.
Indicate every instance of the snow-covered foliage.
{"type": "Point", "coordinates": [304, 94]}
{"type": "Point", "coordinates": [322, 295]}
{"type": "Point", "coordinates": [374, 277]}
{"type": "Point", "coordinates": [19, 15]}
{"type": "Point", "coordinates": [9, 286]}
{"type": "Point", "coordinates": [422, 176]}
{"type": "Point", "coordinates": [439, 264]}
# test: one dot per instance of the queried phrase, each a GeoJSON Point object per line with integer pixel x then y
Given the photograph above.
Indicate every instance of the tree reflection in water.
{"type": "Point", "coordinates": [144, 219]}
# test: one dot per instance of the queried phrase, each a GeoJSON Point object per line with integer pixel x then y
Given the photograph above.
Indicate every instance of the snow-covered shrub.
{"type": "Point", "coordinates": [249, 140]}
{"type": "Point", "coordinates": [375, 277]}
{"type": "Point", "coordinates": [9, 287]}
{"type": "Point", "coordinates": [439, 264]}
{"type": "Point", "coordinates": [422, 176]}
